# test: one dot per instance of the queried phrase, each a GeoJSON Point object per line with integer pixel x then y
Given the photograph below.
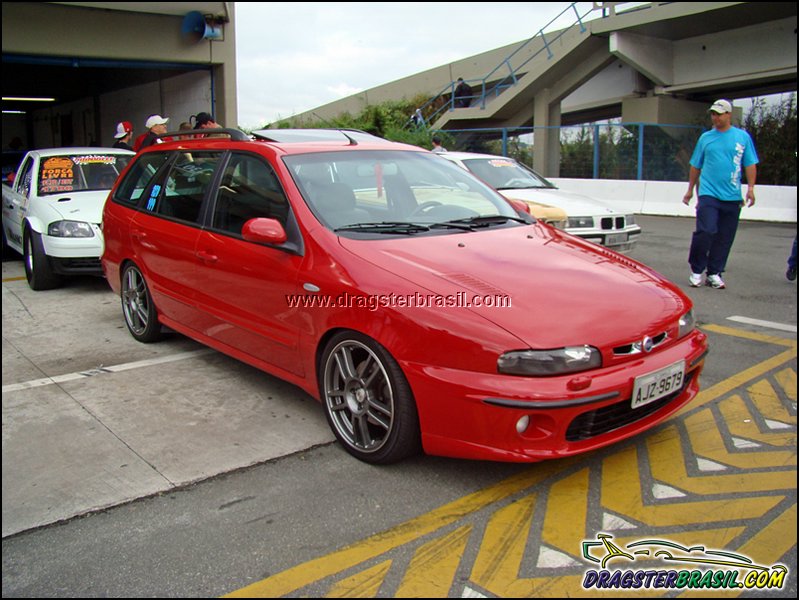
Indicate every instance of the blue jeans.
{"type": "Point", "coordinates": [716, 224]}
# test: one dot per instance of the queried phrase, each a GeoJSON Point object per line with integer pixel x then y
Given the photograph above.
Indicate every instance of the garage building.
{"type": "Point", "coordinates": [73, 70]}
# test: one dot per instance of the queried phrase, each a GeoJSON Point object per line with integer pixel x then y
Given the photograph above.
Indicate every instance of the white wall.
{"type": "Point", "coordinates": [773, 203]}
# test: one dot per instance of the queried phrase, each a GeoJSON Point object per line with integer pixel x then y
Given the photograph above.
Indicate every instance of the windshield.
{"type": "Point", "coordinates": [388, 191]}
{"type": "Point", "coordinates": [505, 173]}
{"type": "Point", "coordinates": [80, 172]}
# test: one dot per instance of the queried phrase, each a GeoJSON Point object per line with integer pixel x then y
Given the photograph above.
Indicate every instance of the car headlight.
{"type": "Point", "coordinates": [629, 219]}
{"type": "Point", "coordinates": [70, 229]}
{"type": "Point", "coordinates": [687, 324]}
{"type": "Point", "coordinates": [559, 361]}
{"type": "Point", "coordinates": [580, 222]}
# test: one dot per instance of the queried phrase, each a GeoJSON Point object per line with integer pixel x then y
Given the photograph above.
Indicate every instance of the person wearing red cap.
{"type": "Point", "coordinates": [123, 135]}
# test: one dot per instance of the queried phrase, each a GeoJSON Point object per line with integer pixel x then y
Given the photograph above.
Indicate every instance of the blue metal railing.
{"type": "Point", "coordinates": [494, 83]}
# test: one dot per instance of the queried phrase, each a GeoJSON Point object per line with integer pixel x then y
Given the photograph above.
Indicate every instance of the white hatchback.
{"type": "Point", "coordinates": [52, 211]}
{"type": "Point", "coordinates": [588, 218]}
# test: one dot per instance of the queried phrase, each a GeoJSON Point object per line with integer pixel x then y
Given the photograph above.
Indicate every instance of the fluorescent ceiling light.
{"type": "Point", "coordinates": [14, 112]}
{"type": "Point", "coordinates": [26, 99]}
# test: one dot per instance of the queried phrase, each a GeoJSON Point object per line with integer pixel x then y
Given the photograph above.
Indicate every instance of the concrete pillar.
{"type": "Point", "coordinates": [546, 147]}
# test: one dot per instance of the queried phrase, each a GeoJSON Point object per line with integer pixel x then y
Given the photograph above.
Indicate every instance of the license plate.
{"type": "Point", "coordinates": [615, 239]}
{"type": "Point", "coordinates": [654, 386]}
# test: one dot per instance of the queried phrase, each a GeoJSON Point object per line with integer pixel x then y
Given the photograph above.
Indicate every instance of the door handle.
{"type": "Point", "coordinates": [207, 257]}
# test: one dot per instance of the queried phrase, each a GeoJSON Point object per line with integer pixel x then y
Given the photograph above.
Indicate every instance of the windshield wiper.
{"type": "Point", "coordinates": [486, 221]}
{"type": "Point", "coordinates": [385, 227]}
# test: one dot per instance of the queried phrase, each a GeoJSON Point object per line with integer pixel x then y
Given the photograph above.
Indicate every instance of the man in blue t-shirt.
{"type": "Point", "coordinates": [720, 156]}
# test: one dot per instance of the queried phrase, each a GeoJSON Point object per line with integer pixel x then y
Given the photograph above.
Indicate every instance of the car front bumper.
{"type": "Point", "coordinates": [477, 416]}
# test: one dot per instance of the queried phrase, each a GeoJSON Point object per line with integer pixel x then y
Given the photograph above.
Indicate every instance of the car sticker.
{"type": "Point", "coordinates": [153, 197]}
{"type": "Point", "coordinates": [57, 175]}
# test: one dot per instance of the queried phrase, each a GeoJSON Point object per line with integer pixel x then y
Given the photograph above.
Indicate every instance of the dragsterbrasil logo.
{"type": "Point", "coordinates": [695, 567]}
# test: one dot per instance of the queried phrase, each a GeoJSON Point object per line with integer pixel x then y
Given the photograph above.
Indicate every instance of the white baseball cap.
{"type": "Point", "coordinates": [721, 107]}
{"type": "Point", "coordinates": [154, 120]}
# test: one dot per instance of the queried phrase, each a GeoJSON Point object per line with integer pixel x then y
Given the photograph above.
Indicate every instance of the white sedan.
{"type": "Point", "coordinates": [588, 218]}
{"type": "Point", "coordinates": [52, 211]}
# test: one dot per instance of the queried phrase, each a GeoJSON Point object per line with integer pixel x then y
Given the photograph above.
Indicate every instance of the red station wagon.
{"type": "Point", "coordinates": [422, 309]}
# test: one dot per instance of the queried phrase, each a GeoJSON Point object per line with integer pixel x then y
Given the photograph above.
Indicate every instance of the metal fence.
{"type": "Point", "coordinates": [600, 151]}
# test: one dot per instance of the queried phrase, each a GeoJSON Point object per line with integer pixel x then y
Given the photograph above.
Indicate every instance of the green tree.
{"type": "Point", "coordinates": [773, 129]}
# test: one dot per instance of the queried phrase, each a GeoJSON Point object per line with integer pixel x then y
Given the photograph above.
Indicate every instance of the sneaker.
{"type": "Point", "coordinates": [695, 279]}
{"type": "Point", "coordinates": [716, 282]}
{"type": "Point", "coordinates": [791, 273]}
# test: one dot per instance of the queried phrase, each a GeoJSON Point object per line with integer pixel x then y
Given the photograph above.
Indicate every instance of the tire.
{"type": "Point", "coordinates": [367, 400]}
{"type": "Point", "coordinates": [39, 273]}
{"type": "Point", "coordinates": [141, 317]}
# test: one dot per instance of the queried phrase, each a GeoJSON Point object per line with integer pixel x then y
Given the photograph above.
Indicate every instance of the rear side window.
{"type": "Point", "coordinates": [138, 178]}
{"type": "Point", "coordinates": [185, 187]}
{"type": "Point", "coordinates": [249, 189]}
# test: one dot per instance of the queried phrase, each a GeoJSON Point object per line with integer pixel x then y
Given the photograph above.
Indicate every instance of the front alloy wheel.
{"type": "Point", "coordinates": [367, 400]}
{"type": "Point", "coordinates": [138, 308]}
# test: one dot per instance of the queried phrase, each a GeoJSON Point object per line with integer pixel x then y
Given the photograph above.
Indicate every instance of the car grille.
{"type": "Point", "coordinates": [637, 346]}
{"type": "Point", "coordinates": [602, 420]}
{"type": "Point", "coordinates": [610, 223]}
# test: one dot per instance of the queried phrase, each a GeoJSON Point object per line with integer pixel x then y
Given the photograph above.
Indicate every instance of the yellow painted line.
{"type": "Point", "coordinates": [787, 380]}
{"type": "Point", "coordinates": [621, 493]}
{"type": "Point", "coordinates": [667, 465]}
{"type": "Point", "coordinates": [707, 441]}
{"type": "Point", "coordinates": [750, 335]}
{"type": "Point", "coordinates": [499, 558]}
{"type": "Point", "coordinates": [567, 503]}
{"type": "Point", "coordinates": [738, 380]}
{"type": "Point", "coordinates": [434, 566]}
{"type": "Point", "coordinates": [14, 279]}
{"type": "Point", "coordinates": [768, 402]}
{"type": "Point", "coordinates": [365, 584]}
{"type": "Point", "coordinates": [742, 424]}
{"type": "Point", "coordinates": [299, 576]}
{"type": "Point", "coordinates": [500, 555]}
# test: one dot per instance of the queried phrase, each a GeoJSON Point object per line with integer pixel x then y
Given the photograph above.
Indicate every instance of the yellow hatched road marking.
{"type": "Point", "coordinates": [742, 424]}
{"type": "Point", "coordinates": [706, 441]}
{"type": "Point", "coordinates": [361, 585]}
{"type": "Point", "coordinates": [568, 503]}
{"type": "Point", "coordinates": [434, 566]}
{"type": "Point", "coordinates": [301, 575]}
{"type": "Point", "coordinates": [621, 493]}
{"type": "Point", "coordinates": [667, 465]}
{"type": "Point", "coordinates": [500, 556]}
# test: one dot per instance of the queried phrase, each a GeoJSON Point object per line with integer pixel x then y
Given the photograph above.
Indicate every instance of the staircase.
{"type": "Point", "coordinates": [508, 80]}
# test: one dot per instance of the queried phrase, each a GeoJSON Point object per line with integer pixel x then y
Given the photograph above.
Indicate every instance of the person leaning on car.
{"type": "Point", "coordinates": [156, 126]}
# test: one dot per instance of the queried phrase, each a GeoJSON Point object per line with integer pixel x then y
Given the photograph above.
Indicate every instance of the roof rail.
{"type": "Point", "coordinates": [236, 135]}
{"type": "Point", "coordinates": [282, 136]}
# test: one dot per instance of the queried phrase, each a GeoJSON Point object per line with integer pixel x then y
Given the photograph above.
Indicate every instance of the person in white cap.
{"type": "Point", "coordinates": [720, 157]}
{"type": "Point", "coordinates": [155, 125]}
{"type": "Point", "coordinates": [123, 134]}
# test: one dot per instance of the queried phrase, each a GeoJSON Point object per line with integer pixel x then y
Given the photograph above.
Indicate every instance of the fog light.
{"type": "Point", "coordinates": [522, 424]}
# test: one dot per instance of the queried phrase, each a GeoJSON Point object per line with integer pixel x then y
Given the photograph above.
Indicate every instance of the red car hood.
{"type": "Point", "coordinates": [563, 291]}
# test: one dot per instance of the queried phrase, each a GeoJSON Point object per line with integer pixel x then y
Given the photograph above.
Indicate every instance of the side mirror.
{"type": "Point", "coordinates": [264, 231]}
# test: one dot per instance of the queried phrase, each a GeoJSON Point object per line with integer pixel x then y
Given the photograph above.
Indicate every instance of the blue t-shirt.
{"type": "Point", "coordinates": [721, 157]}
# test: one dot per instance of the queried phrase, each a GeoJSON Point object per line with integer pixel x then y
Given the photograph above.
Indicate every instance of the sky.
{"type": "Point", "coordinates": [293, 57]}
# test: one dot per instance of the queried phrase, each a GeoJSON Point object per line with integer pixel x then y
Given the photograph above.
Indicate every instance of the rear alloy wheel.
{"type": "Point", "coordinates": [367, 400]}
{"type": "Point", "coordinates": [38, 271]}
{"type": "Point", "coordinates": [138, 308]}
